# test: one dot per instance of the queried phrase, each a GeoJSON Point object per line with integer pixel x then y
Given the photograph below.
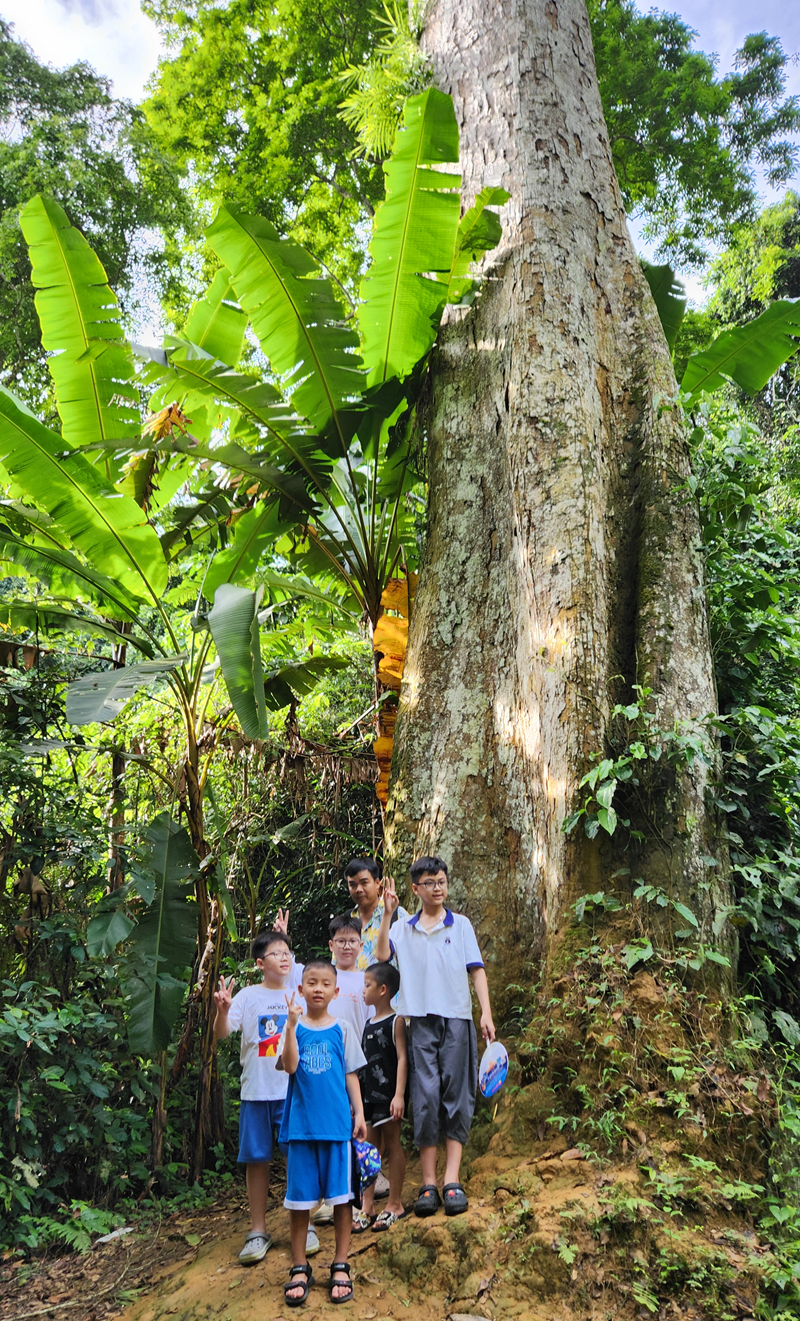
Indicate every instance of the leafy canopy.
{"type": "Point", "coordinates": [685, 142]}
{"type": "Point", "coordinates": [248, 105]}
{"type": "Point", "coordinates": [62, 133]}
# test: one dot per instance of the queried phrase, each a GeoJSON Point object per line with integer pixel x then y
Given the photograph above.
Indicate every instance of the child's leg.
{"type": "Point", "coordinates": [368, 1195]}
{"type": "Point", "coordinates": [298, 1225]}
{"type": "Point", "coordinates": [257, 1191]}
{"type": "Point", "coordinates": [342, 1224]}
{"type": "Point", "coordinates": [424, 1038]}
{"type": "Point", "coordinates": [453, 1160]}
{"type": "Point", "coordinates": [459, 1064]}
{"type": "Point", "coordinates": [396, 1160]}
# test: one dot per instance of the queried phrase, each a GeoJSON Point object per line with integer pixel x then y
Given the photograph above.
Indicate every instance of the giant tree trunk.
{"type": "Point", "coordinates": [563, 561]}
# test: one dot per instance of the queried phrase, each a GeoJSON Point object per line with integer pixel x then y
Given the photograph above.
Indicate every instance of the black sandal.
{"type": "Point", "coordinates": [428, 1200]}
{"type": "Point", "coordinates": [295, 1284]}
{"type": "Point", "coordinates": [341, 1284]}
{"type": "Point", "coordinates": [455, 1199]}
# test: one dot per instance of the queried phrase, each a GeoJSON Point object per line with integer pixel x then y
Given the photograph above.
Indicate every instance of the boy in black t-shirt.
{"type": "Point", "coordinates": [383, 1087]}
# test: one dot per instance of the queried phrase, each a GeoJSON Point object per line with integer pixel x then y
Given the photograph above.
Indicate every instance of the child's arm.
{"type": "Point", "coordinates": [354, 1092]}
{"type": "Point", "coordinates": [397, 1107]}
{"type": "Point", "coordinates": [383, 948]}
{"type": "Point", "coordinates": [222, 999]}
{"type": "Point", "coordinates": [290, 1055]}
{"type": "Point", "coordinates": [482, 991]}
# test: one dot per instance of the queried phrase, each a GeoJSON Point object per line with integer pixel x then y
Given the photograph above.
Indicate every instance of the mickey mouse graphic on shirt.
{"type": "Point", "coordinates": [270, 1027]}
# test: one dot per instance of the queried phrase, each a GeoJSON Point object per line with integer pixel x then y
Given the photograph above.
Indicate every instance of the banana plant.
{"type": "Point", "coordinates": [748, 354]}
{"type": "Point", "coordinates": [332, 445]}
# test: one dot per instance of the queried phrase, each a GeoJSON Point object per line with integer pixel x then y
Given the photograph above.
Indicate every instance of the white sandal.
{"type": "Point", "coordinates": [256, 1247]}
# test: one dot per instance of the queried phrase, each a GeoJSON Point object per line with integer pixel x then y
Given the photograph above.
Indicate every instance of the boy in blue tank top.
{"type": "Point", "coordinates": [323, 1111]}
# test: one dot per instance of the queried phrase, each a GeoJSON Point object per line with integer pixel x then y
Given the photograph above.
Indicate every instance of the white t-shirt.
{"type": "Point", "coordinates": [259, 1013]}
{"type": "Point", "coordinates": [349, 1004]}
{"type": "Point", "coordinates": [434, 966]}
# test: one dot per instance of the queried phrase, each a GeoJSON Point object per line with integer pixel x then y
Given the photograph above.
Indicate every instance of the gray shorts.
{"type": "Point", "coordinates": [443, 1055]}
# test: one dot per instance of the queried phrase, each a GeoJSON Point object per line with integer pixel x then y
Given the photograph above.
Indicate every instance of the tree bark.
{"type": "Point", "coordinates": [563, 561]}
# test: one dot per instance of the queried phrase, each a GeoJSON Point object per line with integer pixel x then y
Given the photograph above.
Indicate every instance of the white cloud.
{"type": "Point", "coordinates": [112, 35]}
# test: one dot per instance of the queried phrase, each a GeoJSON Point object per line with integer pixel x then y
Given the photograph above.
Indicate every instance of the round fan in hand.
{"type": "Point", "coordinates": [494, 1068]}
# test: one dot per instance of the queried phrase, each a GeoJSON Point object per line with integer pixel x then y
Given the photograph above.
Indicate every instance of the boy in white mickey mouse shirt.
{"type": "Point", "coordinates": [259, 1013]}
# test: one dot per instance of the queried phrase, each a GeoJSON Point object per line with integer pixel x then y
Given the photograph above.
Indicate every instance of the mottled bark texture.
{"type": "Point", "coordinates": [563, 561]}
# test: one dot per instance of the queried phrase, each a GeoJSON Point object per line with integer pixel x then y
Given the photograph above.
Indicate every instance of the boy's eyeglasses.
{"type": "Point", "coordinates": [431, 885]}
{"type": "Point", "coordinates": [347, 944]}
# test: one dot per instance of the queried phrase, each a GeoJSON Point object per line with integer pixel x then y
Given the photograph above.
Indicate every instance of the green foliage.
{"type": "Point", "coordinates": [669, 297]}
{"type": "Point", "coordinates": [92, 366]}
{"type": "Point", "coordinates": [65, 135]}
{"type": "Point", "coordinates": [247, 102]}
{"type": "Point", "coordinates": [684, 141]}
{"type": "Point", "coordinates": [163, 941]}
{"type": "Point", "coordinates": [643, 752]}
{"type": "Point", "coordinates": [379, 87]}
{"type": "Point", "coordinates": [748, 354]}
{"type": "Point", "coordinates": [415, 233]}
{"type": "Point", "coordinates": [234, 628]}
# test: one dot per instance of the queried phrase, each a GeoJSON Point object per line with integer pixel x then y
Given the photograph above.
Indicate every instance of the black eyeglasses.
{"type": "Point", "coordinates": [431, 885]}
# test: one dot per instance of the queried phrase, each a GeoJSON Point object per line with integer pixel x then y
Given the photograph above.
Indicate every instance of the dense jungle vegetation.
{"type": "Point", "coordinates": [210, 548]}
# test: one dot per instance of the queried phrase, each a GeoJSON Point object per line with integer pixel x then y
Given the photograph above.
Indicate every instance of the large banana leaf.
{"type": "Point", "coordinates": [108, 529]}
{"type": "Point", "coordinates": [53, 617]}
{"type": "Point", "coordinates": [215, 324]}
{"type": "Point", "coordinates": [298, 678]}
{"type": "Point", "coordinates": [414, 237]}
{"type": "Point", "coordinates": [66, 576]}
{"type": "Point", "coordinates": [669, 297]}
{"type": "Point", "coordinates": [100, 696]}
{"type": "Point", "coordinates": [748, 354]}
{"type": "Point", "coordinates": [234, 627]}
{"type": "Point", "coordinates": [479, 231]}
{"type": "Point", "coordinates": [186, 371]}
{"type": "Point", "coordinates": [294, 311]}
{"type": "Point", "coordinates": [91, 364]}
{"type": "Point", "coordinates": [255, 533]}
{"type": "Point", "coordinates": [163, 942]}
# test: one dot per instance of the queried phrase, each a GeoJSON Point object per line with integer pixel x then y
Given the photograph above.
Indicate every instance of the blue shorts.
{"type": "Point", "coordinates": [317, 1171]}
{"type": "Point", "coordinates": [259, 1121]}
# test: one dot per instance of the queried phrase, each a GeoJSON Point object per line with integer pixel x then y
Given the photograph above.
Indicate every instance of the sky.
{"type": "Point", "coordinates": [120, 42]}
{"type": "Point", "coordinates": [116, 38]}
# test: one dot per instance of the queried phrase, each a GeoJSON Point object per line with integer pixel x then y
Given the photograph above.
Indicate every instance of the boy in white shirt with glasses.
{"type": "Point", "coordinates": [437, 952]}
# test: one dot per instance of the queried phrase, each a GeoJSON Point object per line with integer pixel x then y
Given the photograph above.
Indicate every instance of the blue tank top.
{"type": "Point", "coordinates": [317, 1105]}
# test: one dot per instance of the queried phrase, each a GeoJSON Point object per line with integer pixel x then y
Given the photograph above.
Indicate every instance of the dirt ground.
{"type": "Point", "coordinates": [186, 1268]}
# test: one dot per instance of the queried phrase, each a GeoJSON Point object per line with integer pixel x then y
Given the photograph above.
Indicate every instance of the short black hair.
{"type": "Point", "coordinates": [385, 974]}
{"type": "Point", "coordinates": [264, 939]}
{"type": "Point", "coordinates": [344, 922]}
{"type": "Point", "coordinates": [426, 867]}
{"type": "Point", "coordinates": [319, 963]}
{"type": "Point", "coordinates": [355, 865]}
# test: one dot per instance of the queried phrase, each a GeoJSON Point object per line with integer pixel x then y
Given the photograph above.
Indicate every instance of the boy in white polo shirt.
{"type": "Point", "coordinates": [437, 952]}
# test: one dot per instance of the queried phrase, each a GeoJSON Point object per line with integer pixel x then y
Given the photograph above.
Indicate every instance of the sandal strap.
{"type": "Point", "coordinates": [300, 1270]}
{"type": "Point", "coordinates": [340, 1266]}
